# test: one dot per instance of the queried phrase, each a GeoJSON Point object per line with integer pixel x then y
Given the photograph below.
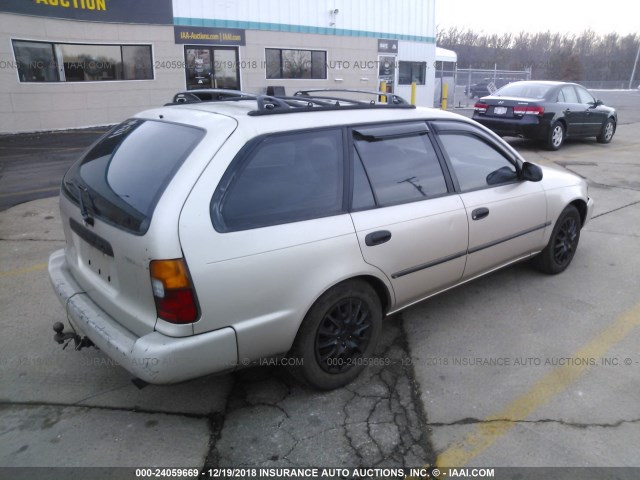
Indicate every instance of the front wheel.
{"type": "Point", "coordinates": [557, 255]}
{"type": "Point", "coordinates": [337, 335]}
{"type": "Point", "coordinates": [608, 129]}
{"type": "Point", "coordinates": [555, 138]}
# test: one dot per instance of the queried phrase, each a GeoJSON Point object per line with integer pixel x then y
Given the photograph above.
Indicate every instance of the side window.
{"type": "Point", "coordinates": [584, 96]}
{"type": "Point", "coordinates": [287, 178]}
{"type": "Point", "coordinates": [569, 94]}
{"type": "Point", "coordinates": [362, 194]}
{"type": "Point", "coordinates": [401, 169]}
{"type": "Point", "coordinates": [476, 164]}
{"type": "Point", "coordinates": [561, 98]}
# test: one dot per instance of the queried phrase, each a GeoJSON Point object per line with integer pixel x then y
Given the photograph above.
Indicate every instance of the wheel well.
{"type": "Point", "coordinates": [380, 289]}
{"type": "Point", "coordinates": [581, 205]}
{"type": "Point", "coordinates": [564, 124]}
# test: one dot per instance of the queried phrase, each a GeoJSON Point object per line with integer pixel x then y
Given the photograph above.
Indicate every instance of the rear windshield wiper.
{"type": "Point", "coordinates": [80, 190]}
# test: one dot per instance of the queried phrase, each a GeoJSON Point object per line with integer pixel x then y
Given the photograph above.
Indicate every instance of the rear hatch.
{"type": "Point", "coordinates": [117, 217]}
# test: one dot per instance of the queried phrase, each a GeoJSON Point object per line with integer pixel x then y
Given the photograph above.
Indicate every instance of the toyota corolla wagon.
{"type": "Point", "coordinates": [206, 235]}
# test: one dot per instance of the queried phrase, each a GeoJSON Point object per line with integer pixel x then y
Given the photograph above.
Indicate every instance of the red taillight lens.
{"type": "Point", "coordinates": [177, 306]}
{"type": "Point", "coordinates": [528, 110]}
{"type": "Point", "coordinates": [481, 107]}
{"type": "Point", "coordinates": [173, 291]}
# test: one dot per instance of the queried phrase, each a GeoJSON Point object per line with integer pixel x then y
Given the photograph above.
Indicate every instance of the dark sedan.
{"type": "Point", "coordinates": [485, 87]}
{"type": "Point", "coordinates": [547, 111]}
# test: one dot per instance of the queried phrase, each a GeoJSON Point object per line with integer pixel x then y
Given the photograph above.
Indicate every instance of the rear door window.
{"type": "Point", "coordinates": [121, 179]}
{"type": "Point", "coordinates": [569, 94]}
{"type": "Point", "coordinates": [286, 178]}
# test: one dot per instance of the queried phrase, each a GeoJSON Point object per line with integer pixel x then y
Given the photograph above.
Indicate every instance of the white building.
{"type": "Point", "coordinates": [76, 63]}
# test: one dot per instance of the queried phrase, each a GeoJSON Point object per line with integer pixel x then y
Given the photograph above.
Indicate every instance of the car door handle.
{"type": "Point", "coordinates": [377, 238]}
{"type": "Point", "coordinates": [568, 110]}
{"type": "Point", "coordinates": [480, 213]}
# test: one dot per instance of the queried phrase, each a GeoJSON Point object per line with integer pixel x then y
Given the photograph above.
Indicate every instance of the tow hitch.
{"type": "Point", "coordinates": [61, 337]}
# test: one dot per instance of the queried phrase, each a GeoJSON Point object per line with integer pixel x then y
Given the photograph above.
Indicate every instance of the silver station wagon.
{"type": "Point", "coordinates": [226, 228]}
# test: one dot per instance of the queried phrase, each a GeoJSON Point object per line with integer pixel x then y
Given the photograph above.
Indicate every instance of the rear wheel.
{"type": "Point", "coordinates": [555, 137]}
{"type": "Point", "coordinates": [340, 330]}
{"type": "Point", "coordinates": [557, 255]}
{"type": "Point", "coordinates": [608, 129]}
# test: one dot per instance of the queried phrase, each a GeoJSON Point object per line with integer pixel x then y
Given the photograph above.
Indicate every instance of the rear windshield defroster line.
{"type": "Point", "coordinates": [126, 172]}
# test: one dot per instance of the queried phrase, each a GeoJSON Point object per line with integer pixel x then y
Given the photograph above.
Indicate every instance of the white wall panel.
{"type": "Point", "coordinates": [418, 52]}
{"type": "Point", "coordinates": [398, 17]}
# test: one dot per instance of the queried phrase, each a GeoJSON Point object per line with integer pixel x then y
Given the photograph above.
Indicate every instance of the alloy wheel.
{"type": "Point", "coordinates": [566, 241]}
{"type": "Point", "coordinates": [556, 136]}
{"type": "Point", "coordinates": [344, 334]}
{"type": "Point", "coordinates": [608, 131]}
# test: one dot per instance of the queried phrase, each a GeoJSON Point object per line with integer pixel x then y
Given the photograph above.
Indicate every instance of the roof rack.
{"type": "Point", "coordinates": [210, 95]}
{"type": "Point", "coordinates": [302, 101]}
{"type": "Point", "coordinates": [391, 98]}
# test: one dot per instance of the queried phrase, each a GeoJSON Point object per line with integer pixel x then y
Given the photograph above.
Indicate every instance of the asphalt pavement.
{"type": "Point", "coordinates": [514, 369]}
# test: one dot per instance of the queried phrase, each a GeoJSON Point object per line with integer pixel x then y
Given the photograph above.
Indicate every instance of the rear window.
{"type": "Point", "coordinates": [524, 90]}
{"type": "Point", "coordinates": [122, 177]}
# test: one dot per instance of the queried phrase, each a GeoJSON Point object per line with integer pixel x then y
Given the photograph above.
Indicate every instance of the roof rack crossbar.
{"type": "Point", "coordinates": [391, 97]}
{"type": "Point", "coordinates": [303, 100]}
{"type": "Point", "coordinates": [215, 94]}
{"type": "Point", "coordinates": [332, 107]}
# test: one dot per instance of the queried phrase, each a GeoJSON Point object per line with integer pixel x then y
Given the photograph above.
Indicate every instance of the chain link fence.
{"type": "Point", "coordinates": [468, 84]}
{"type": "Point", "coordinates": [607, 84]}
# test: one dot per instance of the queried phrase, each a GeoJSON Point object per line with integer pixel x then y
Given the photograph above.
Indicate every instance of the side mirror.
{"type": "Point", "coordinates": [531, 172]}
{"type": "Point", "coordinates": [597, 103]}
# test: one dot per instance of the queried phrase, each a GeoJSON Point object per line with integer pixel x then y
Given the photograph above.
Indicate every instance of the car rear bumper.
{"type": "Point", "coordinates": [154, 358]}
{"type": "Point", "coordinates": [528, 126]}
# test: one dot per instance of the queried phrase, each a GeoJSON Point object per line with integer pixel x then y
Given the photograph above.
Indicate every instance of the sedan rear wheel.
{"type": "Point", "coordinates": [556, 136]}
{"type": "Point", "coordinates": [608, 129]}
{"type": "Point", "coordinates": [559, 252]}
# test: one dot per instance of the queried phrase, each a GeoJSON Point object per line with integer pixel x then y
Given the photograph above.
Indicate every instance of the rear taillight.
{"type": "Point", "coordinates": [173, 291]}
{"type": "Point", "coordinates": [481, 107]}
{"type": "Point", "coordinates": [528, 110]}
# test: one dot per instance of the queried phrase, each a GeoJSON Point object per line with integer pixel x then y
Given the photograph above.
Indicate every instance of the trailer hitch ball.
{"type": "Point", "coordinates": [61, 337]}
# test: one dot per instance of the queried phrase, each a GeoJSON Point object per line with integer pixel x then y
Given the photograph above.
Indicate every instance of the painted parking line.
{"type": "Point", "coordinates": [22, 271]}
{"type": "Point", "coordinates": [556, 381]}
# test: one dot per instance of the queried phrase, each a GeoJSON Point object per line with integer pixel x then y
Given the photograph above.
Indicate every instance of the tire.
{"type": "Point", "coordinates": [556, 135]}
{"type": "Point", "coordinates": [557, 255]}
{"type": "Point", "coordinates": [608, 129]}
{"type": "Point", "coordinates": [341, 327]}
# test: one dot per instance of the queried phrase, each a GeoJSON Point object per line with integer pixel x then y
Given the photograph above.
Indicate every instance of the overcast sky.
{"type": "Point", "coordinates": [571, 16]}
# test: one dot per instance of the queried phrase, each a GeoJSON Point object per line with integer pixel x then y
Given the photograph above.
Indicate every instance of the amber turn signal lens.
{"type": "Point", "coordinates": [172, 273]}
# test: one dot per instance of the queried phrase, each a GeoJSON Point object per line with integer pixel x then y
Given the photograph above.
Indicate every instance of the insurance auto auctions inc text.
{"type": "Point", "coordinates": [339, 473]}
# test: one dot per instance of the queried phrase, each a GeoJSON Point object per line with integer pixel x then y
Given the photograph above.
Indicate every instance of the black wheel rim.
{"type": "Point", "coordinates": [566, 240]}
{"type": "Point", "coordinates": [344, 334]}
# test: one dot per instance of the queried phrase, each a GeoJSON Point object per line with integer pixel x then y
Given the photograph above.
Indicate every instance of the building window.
{"type": "Point", "coordinates": [74, 62]}
{"type": "Point", "coordinates": [283, 63]}
{"type": "Point", "coordinates": [412, 72]}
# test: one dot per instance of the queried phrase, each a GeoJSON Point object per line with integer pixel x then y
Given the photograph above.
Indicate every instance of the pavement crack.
{"type": "Point", "coordinates": [615, 210]}
{"type": "Point", "coordinates": [58, 240]}
{"type": "Point", "coordinates": [105, 408]}
{"type": "Point", "coordinates": [477, 421]}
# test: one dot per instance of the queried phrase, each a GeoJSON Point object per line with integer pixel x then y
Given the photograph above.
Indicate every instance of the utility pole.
{"type": "Point", "coordinates": [633, 72]}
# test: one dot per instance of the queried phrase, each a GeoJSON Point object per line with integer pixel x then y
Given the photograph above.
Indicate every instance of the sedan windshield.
{"type": "Point", "coordinates": [524, 90]}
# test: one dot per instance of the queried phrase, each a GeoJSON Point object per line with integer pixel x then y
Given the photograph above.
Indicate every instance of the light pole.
{"type": "Point", "coordinates": [633, 72]}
